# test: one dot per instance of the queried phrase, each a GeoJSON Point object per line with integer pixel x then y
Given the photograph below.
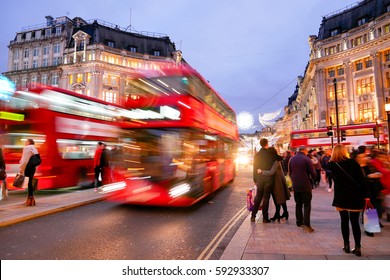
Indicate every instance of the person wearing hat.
{"type": "Point", "coordinates": [301, 170]}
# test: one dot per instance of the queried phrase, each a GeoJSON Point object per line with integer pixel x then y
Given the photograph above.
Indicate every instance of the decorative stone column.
{"type": "Point", "coordinates": [350, 91]}
{"type": "Point", "coordinates": [96, 84]}
{"type": "Point", "coordinates": [321, 97]}
{"type": "Point", "coordinates": [379, 87]}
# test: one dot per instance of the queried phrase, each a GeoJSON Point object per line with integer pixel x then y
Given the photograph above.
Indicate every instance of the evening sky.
{"type": "Point", "coordinates": [250, 51]}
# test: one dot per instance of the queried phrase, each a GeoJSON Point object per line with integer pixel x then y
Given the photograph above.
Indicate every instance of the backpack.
{"type": "Point", "coordinates": [35, 160]}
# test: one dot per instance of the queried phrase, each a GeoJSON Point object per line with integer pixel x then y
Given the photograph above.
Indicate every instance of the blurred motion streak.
{"type": "Point", "coordinates": [185, 147]}
{"type": "Point", "coordinates": [172, 142]}
{"type": "Point", "coordinates": [65, 126]}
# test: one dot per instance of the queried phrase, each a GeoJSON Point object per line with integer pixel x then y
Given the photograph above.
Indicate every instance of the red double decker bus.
{"type": "Point", "coordinates": [179, 140]}
{"type": "Point", "coordinates": [65, 126]}
{"type": "Point", "coordinates": [355, 135]}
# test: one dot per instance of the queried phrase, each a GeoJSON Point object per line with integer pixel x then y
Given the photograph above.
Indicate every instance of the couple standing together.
{"type": "Point", "coordinates": [270, 180]}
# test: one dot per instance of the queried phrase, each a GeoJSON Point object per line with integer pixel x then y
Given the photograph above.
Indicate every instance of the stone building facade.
{"type": "Point", "coordinates": [94, 58]}
{"type": "Point", "coordinates": [350, 55]}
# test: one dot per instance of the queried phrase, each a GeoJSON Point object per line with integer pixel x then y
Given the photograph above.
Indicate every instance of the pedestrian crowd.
{"type": "Point", "coordinates": [357, 178]}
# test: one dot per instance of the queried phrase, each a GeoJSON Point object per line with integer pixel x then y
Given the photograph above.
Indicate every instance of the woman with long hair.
{"type": "Point", "coordinates": [350, 193]}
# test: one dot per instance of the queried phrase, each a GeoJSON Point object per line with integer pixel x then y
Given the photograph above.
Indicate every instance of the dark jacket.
{"type": "Point", "coordinates": [300, 169]}
{"type": "Point", "coordinates": [281, 192]}
{"type": "Point", "coordinates": [2, 161]}
{"type": "Point", "coordinates": [347, 194]}
{"type": "Point", "coordinates": [324, 163]}
{"type": "Point", "coordinates": [263, 160]}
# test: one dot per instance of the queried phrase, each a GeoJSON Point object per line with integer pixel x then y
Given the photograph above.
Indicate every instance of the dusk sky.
{"type": "Point", "coordinates": [251, 51]}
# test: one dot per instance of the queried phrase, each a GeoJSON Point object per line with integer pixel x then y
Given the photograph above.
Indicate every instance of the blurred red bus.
{"type": "Point", "coordinates": [180, 142]}
{"type": "Point", "coordinates": [65, 126]}
{"type": "Point", "coordinates": [356, 135]}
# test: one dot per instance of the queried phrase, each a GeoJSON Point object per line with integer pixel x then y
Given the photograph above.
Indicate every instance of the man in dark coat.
{"type": "Point", "coordinates": [264, 184]}
{"type": "Point", "coordinates": [300, 169]}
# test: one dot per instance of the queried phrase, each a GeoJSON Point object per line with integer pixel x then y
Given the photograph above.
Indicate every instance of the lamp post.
{"type": "Point", "coordinates": [337, 111]}
{"type": "Point", "coordinates": [377, 134]}
{"type": "Point", "coordinates": [387, 109]}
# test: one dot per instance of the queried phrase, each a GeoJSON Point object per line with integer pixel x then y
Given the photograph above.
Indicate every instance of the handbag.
{"type": "Point", "coordinates": [370, 218]}
{"type": "Point", "coordinates": [3, 174]}
{"type": "Point", "coordinates": [25, 182]}
{"type": "Point", "coordinates": [18, 181]}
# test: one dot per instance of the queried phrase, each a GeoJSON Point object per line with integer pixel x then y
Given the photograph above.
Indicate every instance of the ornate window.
{"type": "Point", "coordinates": [340, 70]}
{"type": "Point", "coordinates": [359, 65]}
{"type": "Point", "coordinates": [340, 91]}
{"type": "Point", "coordinates": [365, 85]}
{"type": "Point", "coordinates": [342, 114]}
{"type": "Point", "coordinates": [367, 112]}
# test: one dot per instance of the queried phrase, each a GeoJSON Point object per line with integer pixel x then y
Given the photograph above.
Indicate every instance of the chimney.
{"type": "Point", "coordinates": [49, 20]}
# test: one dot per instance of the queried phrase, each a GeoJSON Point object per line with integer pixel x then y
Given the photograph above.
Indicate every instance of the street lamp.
{"type": "Point", "coordinates": [337, 111]}
{"type": "Point", "coordinates": [387, 109]}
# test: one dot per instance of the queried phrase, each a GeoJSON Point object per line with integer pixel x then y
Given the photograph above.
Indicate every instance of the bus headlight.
{"type": "Point", "coordinates": [179, 190]}
{"type": "Point", "coordinates": [242, 159]}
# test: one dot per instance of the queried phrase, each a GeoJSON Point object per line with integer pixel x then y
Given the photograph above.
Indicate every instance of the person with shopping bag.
{"type": "Point", "coordinates": [28, 167]}
{"type": "Point", "coordinates": [350, 194]}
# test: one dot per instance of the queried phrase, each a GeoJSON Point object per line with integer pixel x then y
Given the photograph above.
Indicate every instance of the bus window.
{"type": "Point", "coordinates": [76, 149]}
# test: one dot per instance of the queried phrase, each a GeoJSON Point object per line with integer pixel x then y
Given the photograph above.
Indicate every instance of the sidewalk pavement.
{"type": "Point", "coordinates": [14, 211]}
{"type": "Point", "coordinates": [252, 241]}
{"type": "Point", "coordinates": [286, 241]}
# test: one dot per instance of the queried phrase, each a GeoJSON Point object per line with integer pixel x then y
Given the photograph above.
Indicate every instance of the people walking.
{"type": "Point", "coordinates": [371, 176]}
{"type": "Point", "coordinates": [263, 160]}
{"type": "Point", "coordinates": [379, 164]}
{"type": "Point", "coordinates": [105, 164]}
{"type": "Point", "coordinates": [3, 177]}
{"type": "Point", "coordinates": [301, 171]}
{"type": "Point", "coordinates": [318, 167]}
{"type": "Point", "coordinates": [324, 163]}
{"type": "Point", "coordinates": [314, 161]}
{"type": "Point", "coordinates": [28, 168]}
{"type": "Point", "coordinates": [281, 193]}
{"type": "Point", "coordinates": [350, 193]}
{"type": "Point", "coordinates": [97, 165]}
{"type": "Point", "coordinates": [286, 159]}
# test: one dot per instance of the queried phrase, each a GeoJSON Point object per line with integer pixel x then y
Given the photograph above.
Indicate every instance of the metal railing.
{"type": "Point", "coordinates": [101, 22]}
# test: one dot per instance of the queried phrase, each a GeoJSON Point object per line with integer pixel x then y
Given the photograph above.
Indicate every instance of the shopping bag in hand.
{"type": "Point", "coordinates": [250, 197]}
{"type": "Point", "coordinates": [370, 218]}
{"type": "Point", "coordinates": [18, 181]}
{"type": "Point", "coordinates": [25, 183]}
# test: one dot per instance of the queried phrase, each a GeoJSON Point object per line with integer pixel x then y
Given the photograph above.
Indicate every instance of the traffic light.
{"type": "Point", "coordinates": [343, 135]}
{"type": "Point", "coordinates": [330, 131]}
